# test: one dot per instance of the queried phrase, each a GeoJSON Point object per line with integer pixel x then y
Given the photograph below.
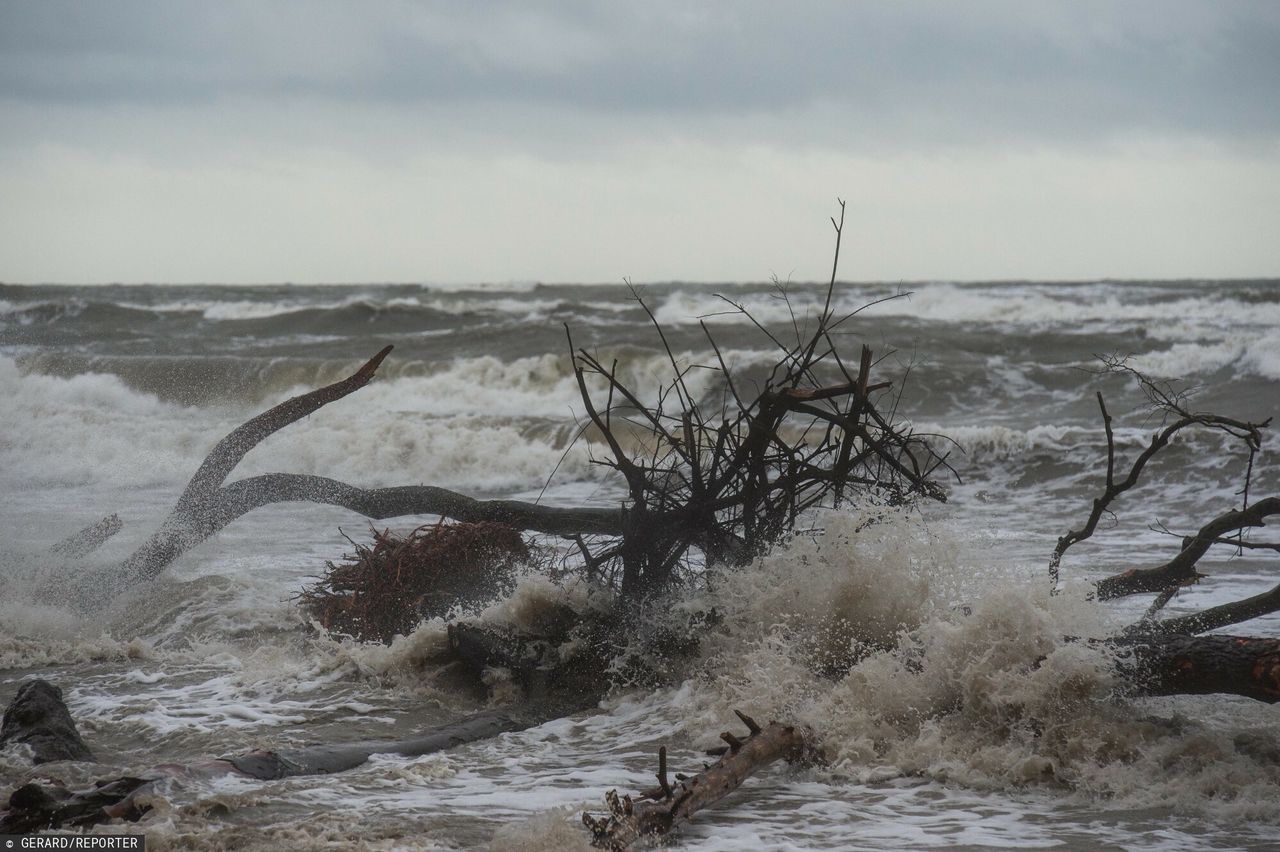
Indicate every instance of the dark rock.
{"type": "Point", "coordinates": [37, 717]}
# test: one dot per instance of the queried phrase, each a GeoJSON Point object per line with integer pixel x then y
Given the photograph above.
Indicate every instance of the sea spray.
{"type": "Point", "coordinates": [961, 672]}
{"type": "Point", "coordinates": [947, 728]}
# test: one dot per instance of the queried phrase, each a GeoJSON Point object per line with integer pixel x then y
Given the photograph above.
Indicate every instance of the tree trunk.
{"type": "Point", "coordinates": [1171, 664]}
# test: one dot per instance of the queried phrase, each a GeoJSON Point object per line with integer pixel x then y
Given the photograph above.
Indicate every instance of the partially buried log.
{"type": "Point", "coordinates": [36, 807]}
{"type": "Point", "coordinates": [663, 809]}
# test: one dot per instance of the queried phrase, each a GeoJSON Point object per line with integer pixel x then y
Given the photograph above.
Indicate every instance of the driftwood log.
{"type": "Point", "coordinates": [663, 809]}
{"type": "Point", "coordinates": [1175, 664]}
{"type": "Point", "coordinates": [39, 718]}
{"type": "Point", "coordinates": [37, 807]}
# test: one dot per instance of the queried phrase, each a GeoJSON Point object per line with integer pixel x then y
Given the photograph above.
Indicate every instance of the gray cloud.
{"type": "Point", "coordinates": [321, 141]}
{"type": "Point", "coordinates": [946, 69]}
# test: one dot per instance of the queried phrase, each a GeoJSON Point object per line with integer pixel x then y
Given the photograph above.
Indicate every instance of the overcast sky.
{"type": "Point", "coordinates": [493, 142]}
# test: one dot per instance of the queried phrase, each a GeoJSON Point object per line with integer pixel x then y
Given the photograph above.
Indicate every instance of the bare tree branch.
{"type": "Point", "coordinates": [1169, 404]}
{"type": "Point", "coordinates": [1181, 569]}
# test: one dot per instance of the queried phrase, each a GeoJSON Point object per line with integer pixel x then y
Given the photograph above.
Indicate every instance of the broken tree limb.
{"type": "Point", "coordinates": [378, 503]}
{"type": "Point", "coordinates": [1171, 404]}
{"type": "Point", "coordinates": [1224, 614]}
{"type": "Point", "coordinates": [88, 539]}
{"type": "Point", "coordinates": [661, 810]}
{"type": "Point", "coordinates": [182, 533]}
{"type": "Point", "coordinates": [1173, 661]}
{"type": "Point", "coordinates": [1181, 569]}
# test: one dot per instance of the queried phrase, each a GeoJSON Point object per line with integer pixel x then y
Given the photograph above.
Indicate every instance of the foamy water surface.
{"type": "Point", "coordinates": [982, 725]}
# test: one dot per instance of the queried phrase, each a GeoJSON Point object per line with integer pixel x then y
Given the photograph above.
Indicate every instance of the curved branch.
{"type": "Point", "coordinates": [1181, 569]}
{"type": "Point", "coordinates": [206, 506]}
{"type": "Point", "coordinates": [1223, 615]}
{"type": "Point", "coordinates": [247, 494]}
{"type": "Point", "coordinates": [228, 452]}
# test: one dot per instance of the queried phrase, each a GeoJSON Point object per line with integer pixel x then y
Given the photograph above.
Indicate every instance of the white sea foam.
{"type": "Point", "coordinates": [1255, 354]}
{"type": "Point", "coordinates": [251, 309]}
{"type": "Point", "coordinates": [964, 675]}
{"type": "Point", "coordinates": [481, 423]}
{"type": "Point", "coordinates": [1035, 305]}
{"type": "Point", "coordinates": [965, 718]}
{"type": "Point", "coordinates": [239, 309]}
{"type": "Point", "coordinates": [1109, 304]}
{"type": "Point", "coordinates": [132, 438]}
{"type": "Point", "coordinates": [980, 442]}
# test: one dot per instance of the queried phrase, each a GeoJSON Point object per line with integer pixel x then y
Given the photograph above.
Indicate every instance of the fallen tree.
{"type": "Point", "coordinates": [1165, 656]}
{"type": "Point", "coordinates": [714, 481]}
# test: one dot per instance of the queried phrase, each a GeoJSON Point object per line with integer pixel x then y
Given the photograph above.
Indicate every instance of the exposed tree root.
{"type": "Point", "coordinates": [385, 589]}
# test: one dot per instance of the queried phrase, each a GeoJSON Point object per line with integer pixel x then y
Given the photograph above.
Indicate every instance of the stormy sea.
{"type": "Point", "coordinates": [999, 730]}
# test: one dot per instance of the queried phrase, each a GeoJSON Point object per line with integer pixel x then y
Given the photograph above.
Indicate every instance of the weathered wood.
{"type": "Point", "coordinates": [207, 504]}
{"type": "Point", "coordinates": [88, 539]}
{"type": "Point", "coordinates": [1180, 570]}
{"type": "Point", "coordinates": [228, 452]}
{"type": "Point", "coordinates": [1223, 614]}
{"type": "Point", "coordinates": [661, 810]}
{"type": "Point", "coordinates": [1165, 664]}
{"type": "Point", "coordinates": [1171, 405]}
{"type": "Point", "coordinates": [34, 807]}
